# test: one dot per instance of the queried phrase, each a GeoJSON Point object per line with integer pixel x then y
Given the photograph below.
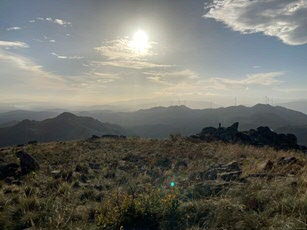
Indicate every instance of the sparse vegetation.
{"type": "Point", "coordinates": [125, 184]}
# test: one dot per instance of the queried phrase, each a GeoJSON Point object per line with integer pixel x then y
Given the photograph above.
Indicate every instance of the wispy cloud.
{"type": "Point", "coordinates": [14, 28]}
{"type": "Point", "coordinates": [57, 21]}
{"type": "Point", "coordinates": [67, 57]}
{"type": "Point", "coordinates": [215, 86]}
{"type": "Point", "coordinates": [131, 64]}
{"type": "Point", "coordinates": [171, 76]}
{"type": "Point", "coordinates": [262, 79]}
{"type": "Point", "coordinates": [15, 44]}
{"type": "Point", "coordinates": [22, 80]}
{"type": "Point", "coordinates": [284, 19]}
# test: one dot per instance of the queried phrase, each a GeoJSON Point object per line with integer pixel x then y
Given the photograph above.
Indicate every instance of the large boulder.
{"type": "Point", "coordinates": [27, 162]}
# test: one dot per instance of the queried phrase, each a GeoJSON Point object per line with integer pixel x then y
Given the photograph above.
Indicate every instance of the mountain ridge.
{"type": "Point", "coordinates": [63, 127]}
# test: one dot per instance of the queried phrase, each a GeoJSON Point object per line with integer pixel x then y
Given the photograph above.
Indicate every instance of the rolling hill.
{"type": "Point", "coordinates": [66, 126]}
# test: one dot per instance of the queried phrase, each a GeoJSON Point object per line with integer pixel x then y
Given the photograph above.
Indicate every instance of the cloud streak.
{"type": "Point", "coordinates": [262, 79]}
{"type": "Point", "coordinates": [57, 21]}
{"type": "Point", "coordinates": [67, 57]}
{"type": "Point", "coordinates": [16, 44]}
{"type": "Point", "coordinates": [13, 28]}
{"type": "Point", "coordinates": [284, 19]}
{"type": "Point", "coordinates": [171, 77]}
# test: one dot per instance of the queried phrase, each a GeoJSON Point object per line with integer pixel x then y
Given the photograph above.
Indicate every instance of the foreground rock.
{"type": "Point", "coordinates": [27, 163]}
{"type": "Point", "coordinates": [263, 136]}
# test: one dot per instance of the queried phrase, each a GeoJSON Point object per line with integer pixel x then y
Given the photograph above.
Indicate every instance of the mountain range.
{"type": "Point", "coordinates": [157, 122]}
{"type": "Point", "coordinates": [65, 126]}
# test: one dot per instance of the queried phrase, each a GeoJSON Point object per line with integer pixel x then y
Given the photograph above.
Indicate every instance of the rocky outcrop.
{"type": "Point", "coordinates": [262, 136]}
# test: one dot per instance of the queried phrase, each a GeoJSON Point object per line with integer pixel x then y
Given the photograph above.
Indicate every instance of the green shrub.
{"type": "Point", "coordinates": [152, 209]}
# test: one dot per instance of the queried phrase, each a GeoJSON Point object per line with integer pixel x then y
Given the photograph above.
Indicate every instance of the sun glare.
{"type": "Point", "coordinates": [140, 42]}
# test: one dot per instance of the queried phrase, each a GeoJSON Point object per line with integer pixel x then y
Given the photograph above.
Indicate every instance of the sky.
{"type": "Point", "coordinates": [76, 52]}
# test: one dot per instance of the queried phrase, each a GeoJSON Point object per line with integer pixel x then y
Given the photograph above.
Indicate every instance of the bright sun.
{"type": "Point", "coordinates": [140, 42]}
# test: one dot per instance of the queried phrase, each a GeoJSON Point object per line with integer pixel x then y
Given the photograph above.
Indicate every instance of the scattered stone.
{"type": "Point", "coordinates": [227, 172]}
{"type": "Point", "coordinates": [268, 166]}
{"type": "Point", "coordinates": [163, 163]}
{"type": "Point", "coordinates": [207, 189]}
{"type": "Point", "coordinates": [83, 178]}
{"type": "Point", "coordinates": [81, 168]}
{"type": "Point", "coordinates": [95, 166]}
{"type": "Point", "coordinates": [131, 158]}
{"type": "Point", "coordinates": [56, 173]}
{"type": "Point", "coordinates": [294, 184]}
{"type": "Point", "coordinates": [99, 187]}
{"type": "Point", "coordinates": [231, 176]}
{"type": "Point", "coordinates": [181, 164]}
{"type": "Point", "coordinates": [94, 137]}
{"type": "Point", "coordinates": [32, 142]}
{"type": "Point", "coordinates": [9, 170]}
{"type": "Point", "coordinates": [287, 161]}
{"type": "Point", "coordinates": [9, 180]}
{"type": "Point", "coordinates": [114, 136]}
{"type": "Point", "coordinates": [27, 162]}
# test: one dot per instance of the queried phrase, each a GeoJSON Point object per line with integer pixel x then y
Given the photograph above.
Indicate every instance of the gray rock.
{"type": "Point", "coordinates": [27, 163]}
{"type": "Point", "coordinates": [287, 161]}
{"type": "Point", "coordinates": [227, 172]}
{"type": "Point", "coordinates": [95, 166]}
{"type": "Point", "coordinates": [231, 176]}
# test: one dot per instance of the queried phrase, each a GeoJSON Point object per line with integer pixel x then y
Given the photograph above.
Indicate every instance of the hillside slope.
{"type": "Point", "coordinates": [66, 126]}
{"type": "Point", "coordinates": [154, 184]}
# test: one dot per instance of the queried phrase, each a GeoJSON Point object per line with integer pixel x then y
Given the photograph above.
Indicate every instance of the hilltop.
{"type": "Point", "coordinates": [136, 183]}
{"type": "Point", "coordinates": [65, 126]}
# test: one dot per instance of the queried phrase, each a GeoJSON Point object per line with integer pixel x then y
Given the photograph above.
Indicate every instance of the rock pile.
{"type": "Point", "coordinates": [262, 136]}
{"type": "Point", "coordinates": [215, 179]}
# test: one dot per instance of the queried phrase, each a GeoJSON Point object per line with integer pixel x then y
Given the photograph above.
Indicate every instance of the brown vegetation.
{"type": "Point", "coordinates": [125, 184]}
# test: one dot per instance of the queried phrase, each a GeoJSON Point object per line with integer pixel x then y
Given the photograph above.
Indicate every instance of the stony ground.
{"type": "Point", "coordinates": [154, 184]}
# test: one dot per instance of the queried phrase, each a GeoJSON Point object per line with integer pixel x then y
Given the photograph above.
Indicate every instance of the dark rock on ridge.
{"type": "Point", "coordinates": [263, 136]}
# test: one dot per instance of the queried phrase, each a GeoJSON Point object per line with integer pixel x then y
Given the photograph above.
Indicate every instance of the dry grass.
{"type": "Point", "coordinates": [113, 184]}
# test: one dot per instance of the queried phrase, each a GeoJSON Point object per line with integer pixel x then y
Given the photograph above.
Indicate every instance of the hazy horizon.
{"type": "Point", "coordinates": [160, 53]}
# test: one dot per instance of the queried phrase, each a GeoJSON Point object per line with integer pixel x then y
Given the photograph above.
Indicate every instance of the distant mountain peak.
{"type": "Point", "coordinates": [66, 115]}
{"type": "Point", "coordinates": [262, 105]}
